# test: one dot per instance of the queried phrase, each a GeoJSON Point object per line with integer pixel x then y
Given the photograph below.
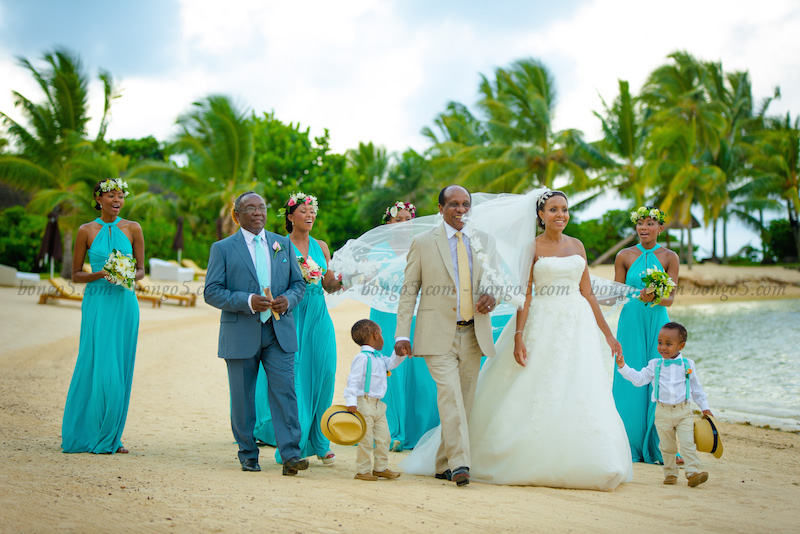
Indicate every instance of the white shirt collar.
{"type": "Point", "coordinates": [451, 231]}
{"type": "Point", "coordinates": [367, 348]}
{"type": "Point", "coordinates": [249, 236]}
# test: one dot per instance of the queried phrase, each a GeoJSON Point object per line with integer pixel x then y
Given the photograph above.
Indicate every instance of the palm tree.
{"type": "Point", "coordinates": [55, 160]}
{"type": "Point", "coordinates": [777, 167]}
{"type": "Point", "coordinates": [514, 147]}
{"type": "Point", "coordinates": [217, 138]}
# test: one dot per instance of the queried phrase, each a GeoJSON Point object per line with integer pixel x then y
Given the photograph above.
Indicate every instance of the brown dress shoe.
{"type": "Point", "coordinates": [386, 473]}
{"type": "Point", "coordinates": [670, 480]}
{"type": "Point", "coordinates": [697, 478]}
{"type": "Point", "coordinates": [366, 476]}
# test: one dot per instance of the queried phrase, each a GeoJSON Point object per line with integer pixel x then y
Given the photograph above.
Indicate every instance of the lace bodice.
{"type": "Point", "coordinates": [558, 276]}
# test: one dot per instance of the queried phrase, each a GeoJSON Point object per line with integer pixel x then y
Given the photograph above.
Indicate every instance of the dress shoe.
{"type": "Point", "coordinates": [697, 478]}
{"type": "Point", "coordinates": [670, 480]}
{"type": "Point", "coordinates": [461, 476]}
{"type": "Point", "coordinates": [447, 475]}
{"type": "Point", "coordinates": [293, 465]}
{"type": "Point", "coordinates": [386, 473]}
{"type": "Point", "coordinates": [251, 464]}
{"type": "Point", "coordinates": [366, 476]}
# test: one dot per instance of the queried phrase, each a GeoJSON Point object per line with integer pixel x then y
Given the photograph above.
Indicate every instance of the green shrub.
{"type": "Point", "coordinates": [21, 238]}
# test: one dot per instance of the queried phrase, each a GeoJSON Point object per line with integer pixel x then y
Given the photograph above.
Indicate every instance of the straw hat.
{"type": "Point", "coordinates": [341, 426]}
{"type": "Point", "coordinates": [706, 436]}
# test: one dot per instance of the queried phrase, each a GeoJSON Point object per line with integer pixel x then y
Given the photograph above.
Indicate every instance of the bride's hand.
{"type": "Point", "coordinates": [616, 348]}
{"type": "Point", "coordinates": [520, 352]}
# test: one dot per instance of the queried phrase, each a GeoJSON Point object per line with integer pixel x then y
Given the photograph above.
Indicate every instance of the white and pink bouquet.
{"type": "Point", "coordinates": [312, 273]}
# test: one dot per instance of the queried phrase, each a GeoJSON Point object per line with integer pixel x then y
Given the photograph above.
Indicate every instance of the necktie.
{"type": "Point", "coordinates": [262, 272]}
{"type": "Point", "coordinates": [464, 279]}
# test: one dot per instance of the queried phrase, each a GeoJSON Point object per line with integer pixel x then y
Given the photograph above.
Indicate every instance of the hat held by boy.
{"type": "Point", "coordinates": [343, 427]}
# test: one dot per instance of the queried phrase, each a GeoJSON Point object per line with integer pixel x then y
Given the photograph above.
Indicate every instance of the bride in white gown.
{"type": "Point", "coordinates": [543, 413]}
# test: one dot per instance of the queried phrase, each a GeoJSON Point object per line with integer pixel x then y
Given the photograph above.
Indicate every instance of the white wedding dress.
{"type": "Point", "coordinates": [553, 422]}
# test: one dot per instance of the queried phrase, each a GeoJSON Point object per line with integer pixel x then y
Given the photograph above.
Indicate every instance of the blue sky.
{"type": "Point", "coordinates": [381, 70]}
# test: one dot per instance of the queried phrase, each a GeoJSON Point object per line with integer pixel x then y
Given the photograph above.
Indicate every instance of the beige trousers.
{"type": "Point", "coordinates": [374, 412]}
{"type": "Point", "coordinates": [671, 421]}
{"type": "Point", "coordinates": [456, 376]}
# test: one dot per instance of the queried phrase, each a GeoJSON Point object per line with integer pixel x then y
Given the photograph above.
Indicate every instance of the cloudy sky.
{"type": "Point", "coordinates": [381, 70]}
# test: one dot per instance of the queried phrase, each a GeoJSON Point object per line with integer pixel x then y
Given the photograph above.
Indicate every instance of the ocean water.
{"type": "Point", "coordinates": [748, 358]}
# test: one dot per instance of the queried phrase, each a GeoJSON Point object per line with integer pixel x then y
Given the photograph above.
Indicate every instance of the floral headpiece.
{"type": "Point", "coordinates": [299, 198]}
{"type": "Point", "coordinates": [114, 183]}
{"type": "Point", "coordinates": [547, 194]}
{"type": "Point", "coordinates": [645, 212]}
{"type": "Point", "coordinates": [392, 210]}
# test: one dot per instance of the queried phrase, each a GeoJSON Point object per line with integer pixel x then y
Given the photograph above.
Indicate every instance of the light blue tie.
{"type": "Point", "coordinates": [262, 272]}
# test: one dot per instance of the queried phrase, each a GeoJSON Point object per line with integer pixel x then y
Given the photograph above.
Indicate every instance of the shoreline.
{"type": "Point", "coordinates": [182, 474]}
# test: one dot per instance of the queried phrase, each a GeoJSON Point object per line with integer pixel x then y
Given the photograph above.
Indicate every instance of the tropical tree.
{"type": "Point", "coordinates": [777, 167]}
{"type": "Point", "coordinates": [216, 137]}
{"type": "Point", "coordinates": [514, 147]}
{"type": "Point", "coordinates": [54, 158]}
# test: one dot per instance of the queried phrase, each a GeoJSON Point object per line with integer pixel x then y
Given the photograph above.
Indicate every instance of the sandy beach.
{"type": "Point", "coordinates": [182, 474]}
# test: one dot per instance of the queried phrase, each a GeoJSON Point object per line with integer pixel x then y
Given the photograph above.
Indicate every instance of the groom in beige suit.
{"type": "Point", "coordinates": [453, 326]}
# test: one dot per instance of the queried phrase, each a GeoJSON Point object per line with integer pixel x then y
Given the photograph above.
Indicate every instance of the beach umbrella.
{"type": "Point", "coordinates": [177, 243]}
{"type": "Point", "coordinates": [50, 249]}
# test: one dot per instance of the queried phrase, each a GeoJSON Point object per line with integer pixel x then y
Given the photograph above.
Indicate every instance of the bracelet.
{"type": "Point", "coordinates": [517, 332]}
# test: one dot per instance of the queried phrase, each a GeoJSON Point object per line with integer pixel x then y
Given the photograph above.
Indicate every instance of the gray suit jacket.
{"type": "Point", "coordinates": [231, 278]}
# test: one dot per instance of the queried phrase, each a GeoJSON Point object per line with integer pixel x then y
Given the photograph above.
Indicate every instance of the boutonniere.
{"type": "Point", "coordinates": [277, 248]}
{"type": "Point", "coordinates": [688, 373]}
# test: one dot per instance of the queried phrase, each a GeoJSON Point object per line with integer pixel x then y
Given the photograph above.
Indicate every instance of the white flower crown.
{"type": "Point", "coordinates": [299, 198]}
{"type": "Point", "coordinates": [392, 210]}
{"type": "Point", "coordinates": [114, 183]}
{"type": "Point", "coordinates": [644, 212]}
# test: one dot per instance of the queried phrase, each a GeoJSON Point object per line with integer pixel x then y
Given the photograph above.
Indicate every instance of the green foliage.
{"type": "Point", "coordinates": [287, 160]}
{"type": "Point", "coordinates": [779, 245]}
{"type": "Point", "coordinates": [599, 235]}
{"type": "Point", "coordinates": [21, 238]}
{"type": "Point", "coordinates": [139, 149]}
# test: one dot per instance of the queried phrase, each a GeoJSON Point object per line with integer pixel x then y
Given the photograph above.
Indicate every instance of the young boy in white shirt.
{"type": "Point", "coordinates": [366, 386]}
{"type": "Point", "coordinates": [675, 382]}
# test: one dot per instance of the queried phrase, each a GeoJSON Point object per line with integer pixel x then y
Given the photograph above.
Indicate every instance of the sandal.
{"type": "Point", "coordinates": [122, 450]}
{"type": "Point", "coordinates": [328, 459]}
{"type": "Point", "coordinates": [397, 445]}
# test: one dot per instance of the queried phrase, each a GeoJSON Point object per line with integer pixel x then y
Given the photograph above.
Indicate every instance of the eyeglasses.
{"type": "Point", "coordinates": [249, 210]}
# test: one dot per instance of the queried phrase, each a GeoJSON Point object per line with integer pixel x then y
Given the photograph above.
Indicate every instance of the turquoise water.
{"type": "Point", "coordinates": [748, 358]}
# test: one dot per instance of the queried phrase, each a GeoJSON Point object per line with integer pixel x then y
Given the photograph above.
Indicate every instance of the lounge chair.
{"type": "Point", "coordinates": [145, 286]}
{"type": "Point", "coordinates": [61, 290]}
{"type": "Point", "coordinates": [165, 270]}
{"type": "Point", "coordinates": [9, 276]}
{"type": "Point", "coordinates": [198, 272]}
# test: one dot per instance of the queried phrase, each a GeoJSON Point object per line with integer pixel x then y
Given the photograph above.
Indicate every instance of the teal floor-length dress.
{"type": "Point", "coordinates": [315, 368]}
{"type": "Point", "coordinates": [637, 332]}
{"type": "Point", "coordinates": [97, 402]}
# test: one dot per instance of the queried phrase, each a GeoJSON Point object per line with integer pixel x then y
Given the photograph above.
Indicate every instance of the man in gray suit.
{"type": "Point", "coordinates": [240, 269]}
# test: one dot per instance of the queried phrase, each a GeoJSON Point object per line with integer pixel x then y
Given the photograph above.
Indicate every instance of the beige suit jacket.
{"type": "Point", "coordinates": [430, 276]}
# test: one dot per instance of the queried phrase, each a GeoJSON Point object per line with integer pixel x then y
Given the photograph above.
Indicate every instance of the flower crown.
{"type": "Point", "coordinates": [392, 210]}
{"type": "Point", "coordinates": [299, 198]}
{"type": "Point", "coordinates": [645, 212]}
{"type": "Point", "coordinates": [114, 183]}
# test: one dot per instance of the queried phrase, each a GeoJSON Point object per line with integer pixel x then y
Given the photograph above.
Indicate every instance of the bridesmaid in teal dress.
{"type": "Point", "coordinates": [315, 360]}
{"type": "Point", "coordinates": [637, 331]}
{"type": "Point", "coordinates": [97, 402]}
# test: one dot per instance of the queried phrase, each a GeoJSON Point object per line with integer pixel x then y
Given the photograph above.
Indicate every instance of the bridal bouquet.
{"type": "Point", "coordinates": [312, 273]}
{"type": "Point", "coordinates": [658, 282]}
{"type": "Point", "coordinates": [121, 269]}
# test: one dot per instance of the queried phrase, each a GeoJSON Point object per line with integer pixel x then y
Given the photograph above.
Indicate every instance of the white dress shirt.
{"type": "Point", "coordinates": [358, 374]}
{"type": "Point", "coordinates": [671, 382]}
{"type": "Point", "coordinates": [250, 240]}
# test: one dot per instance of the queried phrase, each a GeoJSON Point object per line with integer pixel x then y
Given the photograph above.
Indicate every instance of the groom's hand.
{"type": "Point", "coordinates": [402, 348]}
